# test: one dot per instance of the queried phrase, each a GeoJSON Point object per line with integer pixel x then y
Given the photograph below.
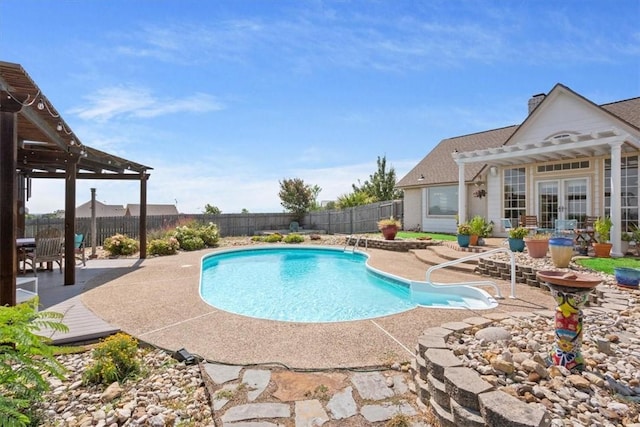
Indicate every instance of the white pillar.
{"type": "Point", "coordinates": [462, 195]}
{"type": "Point", "coordinates": [616, 198]}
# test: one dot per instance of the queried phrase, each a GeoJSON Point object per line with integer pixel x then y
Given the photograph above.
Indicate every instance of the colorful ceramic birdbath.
{"type": "Point", "coordinates": [571, 292]}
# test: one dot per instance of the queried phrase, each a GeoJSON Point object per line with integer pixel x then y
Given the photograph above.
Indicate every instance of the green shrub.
{"type": "Point", "coordinates": [167, 246]}
{"type": "Point", "coordinates": [192, 243]}
{"type": "Point", "coordinates": [257, 238]}
{"type": "Point", "coordinates": [272, 238]}
{"type": "Point", "coordinates": [209, 234]}
{"type": "Point", "coordinates": [114, 359]}
{"type": "Point", "coordinates": [24, 358]}
{"type": "Point", "coordinates": [294, 238]}
{"type": "Point", "coordinates": [120, 244]}
{"type": "Point", "coordinates": [193, 236]}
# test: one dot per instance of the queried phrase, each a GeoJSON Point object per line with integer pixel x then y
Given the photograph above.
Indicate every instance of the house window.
{"type": "Point", "coordinates": [515, 194]}
{"type": "Point", "coordinates": [584, 164]}
{"type": "Point", "coordinates": [443, 200]}
{"type": "Point", "coordinates": [628, 190]}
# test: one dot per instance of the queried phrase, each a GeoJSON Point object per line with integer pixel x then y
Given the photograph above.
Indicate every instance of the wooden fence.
{"type": "Point", "coordinates": [360, 219]}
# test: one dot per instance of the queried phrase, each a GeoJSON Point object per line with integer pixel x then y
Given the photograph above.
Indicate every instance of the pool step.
{"type": "Point", "coordinates": [435, 255]}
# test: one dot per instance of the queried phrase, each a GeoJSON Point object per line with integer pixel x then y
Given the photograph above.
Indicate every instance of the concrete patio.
{"type": "Point", "coordinates": [157, 300]}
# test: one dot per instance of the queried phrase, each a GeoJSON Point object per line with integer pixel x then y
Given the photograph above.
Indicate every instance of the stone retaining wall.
{"type": "Point", "coordinates": [457, 394]}
{"type": "Point", "coordinates": [391, 245]}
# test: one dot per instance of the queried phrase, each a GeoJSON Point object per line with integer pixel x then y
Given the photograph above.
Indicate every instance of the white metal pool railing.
{"type": "Point", "coordinates": [481, 283]}
{"type": "Point", "coordinates": [357, 244]}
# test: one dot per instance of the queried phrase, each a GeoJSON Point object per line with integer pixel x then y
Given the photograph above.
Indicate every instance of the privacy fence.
{"type": "Point", "coordinates": [360, 219]}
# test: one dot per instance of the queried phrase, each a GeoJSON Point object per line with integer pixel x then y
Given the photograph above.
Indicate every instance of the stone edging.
{"type": "Point", "coordinates": [457, 394]}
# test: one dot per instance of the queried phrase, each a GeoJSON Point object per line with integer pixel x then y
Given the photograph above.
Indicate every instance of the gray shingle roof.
{"type": "Point", "coordinates": [438, 167]}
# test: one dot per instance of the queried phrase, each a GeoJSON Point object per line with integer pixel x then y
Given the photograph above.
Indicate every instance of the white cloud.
{"type": "Point", "coordinates": [129, 101]}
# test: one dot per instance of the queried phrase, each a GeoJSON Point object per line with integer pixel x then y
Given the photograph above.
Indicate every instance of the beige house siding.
{"type": "Point", "coordinates": [563, 114]}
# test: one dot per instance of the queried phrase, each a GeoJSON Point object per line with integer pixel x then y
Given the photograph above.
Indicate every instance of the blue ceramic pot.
{"type": "Point", "coordinates": [463, 240]}
{"type": "Point", "coordinates": [516, 245]}
{"type": "Point", "coordinates": [627, 276]}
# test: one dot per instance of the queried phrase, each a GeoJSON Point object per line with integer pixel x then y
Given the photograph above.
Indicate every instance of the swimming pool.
{"type": "Point", "coordinates": [310, 284]}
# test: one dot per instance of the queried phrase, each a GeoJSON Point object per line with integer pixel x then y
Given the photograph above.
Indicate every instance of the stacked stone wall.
{"type": "Point", "coordinates": [458, 395]}
{"type": "Point", "coordinates": [390, 245]}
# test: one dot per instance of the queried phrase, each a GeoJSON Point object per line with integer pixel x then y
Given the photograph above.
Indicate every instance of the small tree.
{"type": "Point", "coordinates": [357, 198]}
{"type": "Point", "coordinates": [211, 210]}
{"type": "Point", "coordinates": [381, 185]}
{"type": "Point", "coordinates": [297, 197]}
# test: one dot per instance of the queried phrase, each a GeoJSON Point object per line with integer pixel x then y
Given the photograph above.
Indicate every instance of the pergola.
{"type": "Point", "coordinates": [36, 142]}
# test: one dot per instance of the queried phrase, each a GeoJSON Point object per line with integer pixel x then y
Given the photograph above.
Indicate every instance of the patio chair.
{"type": "Point", "coordinates": [566, 227]}
{"type": "Point", "coordinates": [507, 227]}
{"type": "Point", "coordinates": [586, 233]}
{"type": "Point", "coordinates": [48, 249]}
{"type": "Point", "coordinates": [78, 247]}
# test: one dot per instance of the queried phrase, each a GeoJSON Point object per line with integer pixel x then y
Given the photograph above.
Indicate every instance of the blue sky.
{"type": "Point", "coordinates": [226, 98]}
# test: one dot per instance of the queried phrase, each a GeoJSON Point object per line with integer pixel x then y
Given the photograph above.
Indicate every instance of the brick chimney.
{"type": "Point", "coordinates": [535, 101]}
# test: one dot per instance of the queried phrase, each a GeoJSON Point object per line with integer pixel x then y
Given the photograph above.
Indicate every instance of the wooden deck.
{"type": "Point", "coordinates": [83, 324]}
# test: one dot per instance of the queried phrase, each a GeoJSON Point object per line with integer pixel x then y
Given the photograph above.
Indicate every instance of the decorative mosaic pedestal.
{"type": "Point", "coordinates": [571, 292]}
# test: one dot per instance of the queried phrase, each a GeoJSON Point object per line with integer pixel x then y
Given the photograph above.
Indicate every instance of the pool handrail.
{"type": "Point", "coordinates": [357, 244]}
{"type": "Point", "coordinates": [482, 283]}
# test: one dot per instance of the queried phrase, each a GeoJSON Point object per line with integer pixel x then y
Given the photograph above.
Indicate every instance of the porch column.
{"type": "Point", "coordinates": [462, 195]}
{"type": "Point", "coordinates": [616, 198]}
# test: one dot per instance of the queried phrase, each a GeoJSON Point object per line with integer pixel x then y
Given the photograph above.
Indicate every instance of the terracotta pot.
{"type": "Point", "coordinates": [602, 250]}
{"type": "Point", "coordinates": [473, 240]}
{"type": "Point", "coordinates": [389, 232]}
{"type": "Point", "coordinates": [537, 248]}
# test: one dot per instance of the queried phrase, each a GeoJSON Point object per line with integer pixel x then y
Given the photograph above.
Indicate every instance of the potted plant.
{"type": "Point", "coordinates": [464, 233]}
{"type": "Point", "coordinates": [537, 244]}
{"type": "Point", "coordinates": [477, 225]}
{"type": "Point", "coordinates": [389, 227]}
{"type": "Point", "coordinates": [626, 238]}
{"type": "Point", "coordinates": [583, 249]}
{"type": "Point", "coordinates": [602, 247]}
{"type": "Point", "coordinates": [516, 238]}
{"type": "Point", "coordinates": [486, 232]}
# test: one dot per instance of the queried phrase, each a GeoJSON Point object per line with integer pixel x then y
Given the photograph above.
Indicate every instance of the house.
{"type": "Point", "coordinates": [152, 210]}
{"type": "Point", "coordinates": [102, 210]}
{"type": "Point", "coordinates": [568, 159]}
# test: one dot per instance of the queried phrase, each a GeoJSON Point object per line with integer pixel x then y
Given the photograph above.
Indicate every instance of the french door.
{"type": "Point", "coordinates": [562, 199]}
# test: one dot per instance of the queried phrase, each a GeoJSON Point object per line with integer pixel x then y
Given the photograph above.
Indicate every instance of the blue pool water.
{"type": "Point", "coordinates": [304, 284]}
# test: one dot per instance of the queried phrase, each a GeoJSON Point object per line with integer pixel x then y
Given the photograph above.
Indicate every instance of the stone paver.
{"type": "Point", "coordinates": [375, 413]}
{"type": "Point", "coordinates": [309, 413]}
{"type": "Point", "coordinates": [221, 374]}
{"type": "Point", "coordinates": [342, 404]}
{"type": "Point", "coordinates": [257, 380]}
{"type": "Point", "coordinates": [218, 401]}
{"type": "Point", "coordinates": [252, 411]}
{"type": "Point", "coordinates": [371, 386]}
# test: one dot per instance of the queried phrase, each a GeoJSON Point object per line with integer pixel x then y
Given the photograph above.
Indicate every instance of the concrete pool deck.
{"type": "Point", "coordinates": [157, 300]}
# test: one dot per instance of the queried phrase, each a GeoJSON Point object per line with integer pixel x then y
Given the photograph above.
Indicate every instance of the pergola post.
{"type": "Point", "coordinates": [616, 198]}
{"type": "Point", "coordinates": [9, 107]}
{"type": "Point", "coordinates": [462, 194]}
{"type": "Point", "coordinates": [70, 224]}
{"type": "Point", "coordinates": [143, 215]}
